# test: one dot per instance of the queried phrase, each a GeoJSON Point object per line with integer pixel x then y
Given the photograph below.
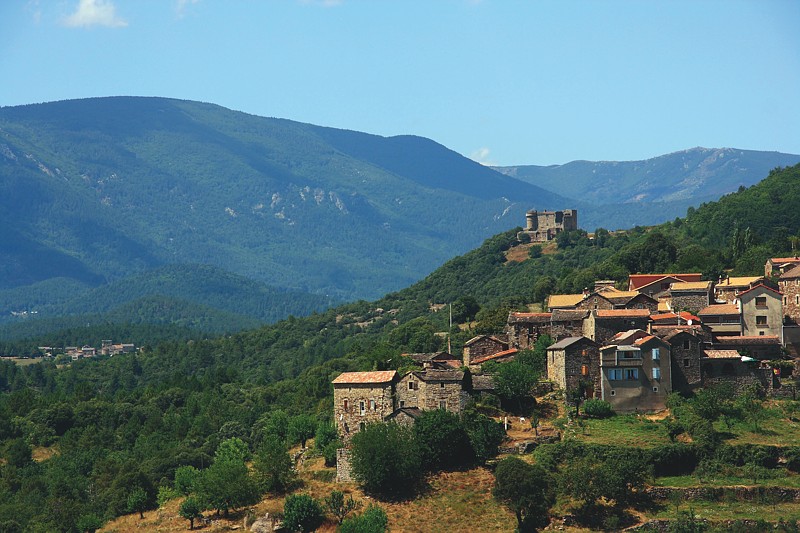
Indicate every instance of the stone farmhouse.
{"type": "Point", "coordinates": [437, 360]}
{"type": "Point", "coordinates": [574, 362]}
{"type": "Point", "coordinates": [482, 346]}
{"type": "Point", "coordinates": [728, 289]}
{"type": "Point", "coordinates": [361, 398]}
{"type": "Point", "coordinates": [543, 226]}
{"type": "Point", "coordinates": [775, 266]}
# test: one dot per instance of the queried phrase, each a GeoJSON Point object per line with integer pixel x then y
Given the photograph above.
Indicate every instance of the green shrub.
{"type": "Point", "coordinates": [372, 520]}
{"type": "Point", "coordinates": [597, 408]}
{"type": "Point", "coordinates": [674, 459]}
{"type": "Point", "coordinates": [301, 512]}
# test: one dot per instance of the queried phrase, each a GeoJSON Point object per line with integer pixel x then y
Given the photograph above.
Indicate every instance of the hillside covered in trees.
{"type": "Point", "coordinates": [133, 420]}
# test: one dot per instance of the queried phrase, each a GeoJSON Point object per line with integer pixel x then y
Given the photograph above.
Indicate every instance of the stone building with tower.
{"type": "Point", "coordinates": [543, 226]}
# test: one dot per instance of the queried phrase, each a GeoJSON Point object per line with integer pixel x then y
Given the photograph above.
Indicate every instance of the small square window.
{"type": "Point", "coordinates": [655, 389]}
{"type": "Point", "coordinates": [441, 385]}
{"type": "Point", "coordinates": [687, 345]}
{"type": "Point", "coordinates": [443, 404]}
{"type": "Point", "coordinates": [761, 320]}
{"type": "Point", "coordinates": [402, 403]}
{"type": "Point", "coordinates": [687, 362]}
{"type": "Point", "coordinates": [410, 385]}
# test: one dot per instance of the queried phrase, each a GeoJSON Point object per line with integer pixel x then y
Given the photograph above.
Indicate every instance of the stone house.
{"type": "Point", "coordinates": [614, 299]}
{"type": "Point", "coordinates": [603, 324]}
{"type": "Point", "coordinates": [636, 372]}
{"type": "Point", "coordinates": [728, 289]}
{"type": "Point", "coordinates": [789, 285]}
{"type": "Point", "coordinates": [775, 266]}
{"type": "Point", "coordinates": [723, 319]}
{"type": "Point", "coordinates": [652, 284]}
{"type": "Point", "coordinates": [728, 366]}
{"type": "Point", "coordinates": [762, 347]}
{"type": "Point", "coordinates": [686, 351]}
{"type": "Point", "coordinates": [523, 329]}
{"type": "Point", "coordinates": [567, 323]}
{"type": "Point", "coordinates": [440, 360]}
{"type": "Point", "coordinates": [482, 346]}
{"type": "Point", "coordinates": [405, 416]}
{"type": "Point", "coordinates": [690, 296]}
{"type": "Point", "coordinates": [762, 311]}
{"type": "Point", "coordinates": [574, 361]}
{"type": "Point", "coordinates": [360, 398]}
{"type": "Point", "coordinates": [433, 389]}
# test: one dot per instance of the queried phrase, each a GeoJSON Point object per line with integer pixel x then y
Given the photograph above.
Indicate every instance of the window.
{"type": "Point", "coordinates": [372, 405]}
{"type": "Point", "coordinates": [687, 345]}
{"type": "Point", "coordinates": [761, 333]}
{"type": "Point", "coordinates": [615, 374]}
{"type": "Point", "coordinates": [441, 385]}
{"type": "Point", "coordinates": [656, 373]}
{"type": "Point", "coordinates": [346, 405]}
{"type": "Point", "coordinates": [631, 374]}
{"type": "Point", "coordinates": [362, 426]}
{"type": "Point", "coordinates": [402, 403]}
{"type": "Point", "coordinates": [443, 404]}
{"type": "Point", "coordinates": [687, 362]}
{"type": "Point", "coordinates": [613, 393]}
{"type": "Point", "coordinates": [361, 407]}
{"type": "Point", "coordinates": [410, 385]}
{"type": "Point", "coordinates": [761, 320]}
{"type": "Point", "coordinates": [656, 354]}
{"type": "Point", "coordinates": [785, 300]}
{"type": "Point", "coordinates": [797, 299]}
{"type": "Point", "coordinates": [584, 370]}
{"type": "Point", "coordinates": [655, 389]}
{"type": "Point", "coordinates": [761, 301]}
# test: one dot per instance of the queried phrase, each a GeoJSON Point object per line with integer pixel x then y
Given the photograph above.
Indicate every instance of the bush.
{"type": "Point", "coordinates": [485, 435]}
{"type": "Point", "coordinates": [372, 520]}
{"type": "Point", "coordinates": [793, 458]}
{"type": "Point", "coordinates": [595, 408]}
{"type": "Point", "coordinates": [442, 441]}
{"type": "Point", "coordinates": [301, 512]}
{"type": "Point", "coordinates": [674, 459]}
{"type": "Point", "coordinates": [386, 460]}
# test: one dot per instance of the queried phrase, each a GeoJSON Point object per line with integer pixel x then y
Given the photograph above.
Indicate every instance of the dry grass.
{"type": "Point", "coordinates": [43, 453]}
{"type": "Point", "coordinates": [518, 253]}
{"type": "Point", "coordinates": [453, 501]}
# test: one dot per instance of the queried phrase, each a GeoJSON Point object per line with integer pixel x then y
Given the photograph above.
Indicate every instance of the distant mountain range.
{"type": "Point", "coordinates": [103, 199]}
{"type": "Point", "coordinates": [673, 181]}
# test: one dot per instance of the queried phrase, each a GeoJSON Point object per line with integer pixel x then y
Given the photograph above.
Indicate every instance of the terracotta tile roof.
{"type": "Point", "coordinates": [744, 340]}
{"type": "Point", "coordinates": [761, 285]}
{"type": "Point", "coordinates": [616, 313]}
{"type": "Point", "coordinates": [378, 376]}
{"type": "Point", "coordinates": [722, 354]}
{"type": "Point", "coordinates": [719, 309]}
{"type": "Point", "coordinates": [564, 300]}
{"type": "Point", "coordinates": [684, 315]}
{"type": "Point", "coordinates": [644, 340]}
{"type": "Point", "coordinates": [494, 356]}
{"type": "Point", "coordinates": [738, 282]}
{"type": "Point", "coordinates": [792, 273]}
{"type": "Point", "coordinates": [785, 259]}
{"type": "Point", "coordinates": [637, 281]}
{"type": "Point", "coordinates": [690, 286]}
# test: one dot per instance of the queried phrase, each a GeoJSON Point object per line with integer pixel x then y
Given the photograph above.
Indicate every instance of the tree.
{"type": "Point", "coordinates": [465, 309]}
{"type": "Point", "coordinates": [273, 466]}
{"type": "Point", "coordinates": [442, 441]}
{"type": "Point", "coordinates": [326, 442]}
{"type": "Point", "coordinates": [18, 453]}
{"type": "Point", "coordinates": [385, 459]}
{"type": "Point", "coordinates": [301, 512]}
{"type": "Point", "coordinates": [137, 501]}
{"type": "Point", "coordinates": [372, 520]}
{"type": "Point", "coordinates": [185, 477]}
{"type": "Point", "coordinates": [514, 382]}
{"type": "Point", "coordinates": [224, 485]}
{"type": "Point", "coordinates": [233, 449]}
{"type": "Point", "coordinates": [339, 506]}
{"type": "Point", "coordinates": [485, 435]}
{"type": "Point", "coordinates": [302, 428]}
{"type": "Point", "coordinates": [88, 523]}
{"type": "Point", "coordinates": [190, 510]}
{"type": "Point", "coordinates": [525, 489]}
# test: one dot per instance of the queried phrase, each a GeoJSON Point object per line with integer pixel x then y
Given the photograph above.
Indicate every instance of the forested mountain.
{"type": "Point", "coordinates": [132, 420]}
{"type": "Point", "coordinates": [95, 190]}
{"type": "Point", "coordinates": [672, 182]}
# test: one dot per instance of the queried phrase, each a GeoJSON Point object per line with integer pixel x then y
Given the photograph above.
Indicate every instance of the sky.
{"type": "Point", "coordinates": [502, 82]}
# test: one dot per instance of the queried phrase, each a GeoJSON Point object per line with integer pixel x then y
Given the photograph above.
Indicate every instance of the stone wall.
{"type": "Point", "coordinates": [594, 301]}
{"type": "Point", "coordinates": [686, 373]}
{"type": "Point", "coordinates": [690, 301]}
{"type": "Point", "coordinates": [524, 335]}
{"type": "Point", "coordinates": [483, 347]}
{"type": "Point", "coordinates": [377, 401]}
{"type": "Point", "coordinates": [791, 298]}
{"type": "Point", "coordinates": [344, 472]}
{"type": "Point", "coordinates": [427, 395]}
{"type": "Point", "coordinates": [604, 328]}
{"type": "Point", "coordinates": [743, 376]}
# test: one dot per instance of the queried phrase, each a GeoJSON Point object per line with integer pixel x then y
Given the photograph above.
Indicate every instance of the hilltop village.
{"type": "Point", "coordinates": [629, 346]}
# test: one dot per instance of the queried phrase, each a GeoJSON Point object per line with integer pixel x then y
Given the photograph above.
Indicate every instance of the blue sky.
{"type": "Point", "coordinates": [503, 82]}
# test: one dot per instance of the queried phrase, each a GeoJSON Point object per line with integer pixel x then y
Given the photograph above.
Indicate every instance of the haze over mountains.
{"type": "Point", "coordinates": [114, 190]}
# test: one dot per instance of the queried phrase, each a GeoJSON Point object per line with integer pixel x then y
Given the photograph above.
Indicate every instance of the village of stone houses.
{"type": "Point", "coordinates": [630, 347]}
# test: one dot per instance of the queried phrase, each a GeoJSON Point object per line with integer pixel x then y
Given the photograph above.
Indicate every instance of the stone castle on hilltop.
{"type": "Point", "coordinates": [543, 226]}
